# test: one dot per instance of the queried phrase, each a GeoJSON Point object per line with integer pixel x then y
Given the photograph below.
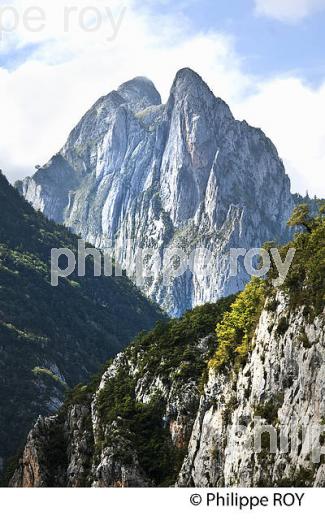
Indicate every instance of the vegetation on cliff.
{"type": "Point", "coordinates": [236, 329]}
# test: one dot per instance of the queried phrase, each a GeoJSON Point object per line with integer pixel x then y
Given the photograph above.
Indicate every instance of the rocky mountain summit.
{"type": "Point", "coordinates": [140, 174]}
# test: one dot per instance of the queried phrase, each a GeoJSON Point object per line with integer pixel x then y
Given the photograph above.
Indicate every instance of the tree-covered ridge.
{"type": "Point", "coordinates": [51, 337]}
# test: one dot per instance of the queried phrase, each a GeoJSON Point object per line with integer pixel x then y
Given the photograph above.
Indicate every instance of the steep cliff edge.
{"type": "Point", "coordinates": [186, 175]}
{"type": "Point", "coordinates": [183, 406]}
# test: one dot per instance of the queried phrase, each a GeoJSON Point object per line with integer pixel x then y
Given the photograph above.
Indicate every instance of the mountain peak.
{"type": "Point", "coordinates": [140, 93]}
{"type": "Point", "coordinates": [187, 73]}
{"type": "Point", "coordinates": [187, 80]}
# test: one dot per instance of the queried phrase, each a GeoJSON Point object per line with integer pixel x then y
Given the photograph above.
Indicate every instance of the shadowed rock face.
{"type": "Point", "coordinates": [184, 174]}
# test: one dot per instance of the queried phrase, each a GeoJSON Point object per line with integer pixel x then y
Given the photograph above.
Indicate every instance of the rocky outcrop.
{"type": "Point", "coordinates": [136, 174]}
{"type": "Point", "coordinates": [209, 426]}
{"type": "Point", "coordinates": [36, 469]}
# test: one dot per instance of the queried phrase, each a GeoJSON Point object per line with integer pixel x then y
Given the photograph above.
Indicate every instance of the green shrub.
{"type": "Point", "coordinates": [235, 332]}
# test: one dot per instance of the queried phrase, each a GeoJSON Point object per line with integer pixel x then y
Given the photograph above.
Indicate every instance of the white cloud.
{"type": "Point", "coordinates": [292, 114]}
{"type": "Point", "coordinates": [42, 99]}
{"type": "Point", "coordinates": [288, 10]}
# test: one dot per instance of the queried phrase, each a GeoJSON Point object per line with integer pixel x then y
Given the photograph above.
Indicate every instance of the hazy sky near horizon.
{"type": "Point", "coordinates": [265, 58]}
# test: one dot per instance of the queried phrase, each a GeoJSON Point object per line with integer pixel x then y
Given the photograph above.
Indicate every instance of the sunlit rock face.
{"type": "Point", "coordinates": [184, 174]}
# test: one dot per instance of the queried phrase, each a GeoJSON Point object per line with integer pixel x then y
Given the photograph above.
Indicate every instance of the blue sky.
{"type": "Point", "coordinates": [267, 46]}
{"type": "Point", "coordinates": [17, 55]}
{"type": "Point", "coordinates": [264, 57]}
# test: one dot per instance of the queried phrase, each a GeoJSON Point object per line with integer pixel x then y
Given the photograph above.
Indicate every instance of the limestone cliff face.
{"type": "Point", "coordinates": [282, 382]}
{"type": "Point", "coordinates": [185, 174]}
